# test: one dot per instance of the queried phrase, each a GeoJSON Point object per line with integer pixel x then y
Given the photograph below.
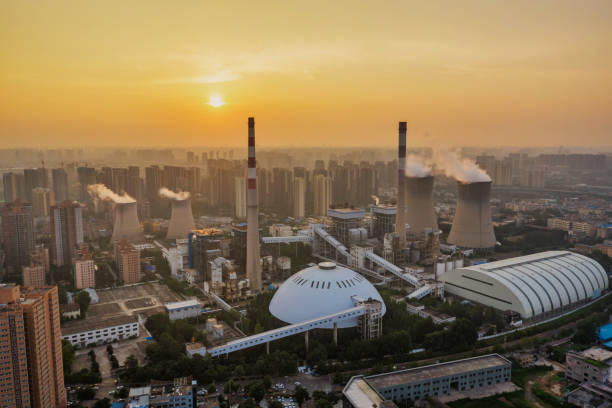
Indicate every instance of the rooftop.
{"type": "Point", "coordinates": [183, 304]}
{"type": "Point", "coordinates": [93, 323]}
{"type": "Point", "coordinates": [436, 371]}
{"type": "Point", "coordinates": [346, 213]}
{"type": "Point", "coordinates": [361, 394]}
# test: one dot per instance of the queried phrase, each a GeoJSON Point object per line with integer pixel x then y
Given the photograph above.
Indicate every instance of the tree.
{"type": "Point", "coordinates": [62, 295]}
{"type": "Point", "coordinates": [122, 392]}
{"type": "Point", "coordinates": [85, 393]}
{"type": "Point", "coordinates": [212, 389]}
{"type": "Point", "coordinates": [83, 299]}
{"type": "Point", "coordinates": [103, 403]}
{"type": "Point", "coordinates": [67, 356]}
{"type": "Point", "coordinates": [257, 391]}
{"type": "Point", "coordinates": [275, 404]}
{"type": "Point", "coordinates": [300, 394]}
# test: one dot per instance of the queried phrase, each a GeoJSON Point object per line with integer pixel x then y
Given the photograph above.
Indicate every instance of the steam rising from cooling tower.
{"type": "Point", "coordinates": [106, 194]}
{"type": "Point", "coordinates": [419, 204]}
{"type": "Point", "coordinates": [181, 219]}
{"type": "Point", "coordinates": [253, 267]}
{"type": "Point", "coordinates": [167, 193]}
{"type": "Point", "coordinates": [463, 170]}
{"type": "Point", "coordinates": [416, 166]}
{"type": "Point", "coordinates": [472, 225]}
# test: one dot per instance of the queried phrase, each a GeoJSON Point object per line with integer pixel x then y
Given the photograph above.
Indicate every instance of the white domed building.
{"type": "Point", "coordinates": [320, 290]}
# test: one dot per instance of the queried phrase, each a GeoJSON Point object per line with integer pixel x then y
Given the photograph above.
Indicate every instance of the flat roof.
{"type": "Point", "coordinates": [94, 323]}
{"type": "Point", "coordinates": [183, 304]}
{"type": "Point", "coordinates": [361, 394]}
{"type": "Point", "coordinates": [346, 213]}
{"type": "Point", "coordinates": [429, 372]}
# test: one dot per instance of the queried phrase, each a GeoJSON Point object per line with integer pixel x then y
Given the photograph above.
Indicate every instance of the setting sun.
{"type": "Point", "coordinates": [216, 101]}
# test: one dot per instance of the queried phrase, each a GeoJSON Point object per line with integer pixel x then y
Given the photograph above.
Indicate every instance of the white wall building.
{"type": "Point", "coordinates": [81, 333]}
{"type": "Point", "coordinates": [183, 309]}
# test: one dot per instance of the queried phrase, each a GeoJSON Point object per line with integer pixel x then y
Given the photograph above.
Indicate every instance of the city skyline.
{"type": "Point", "coordinates": [482, 73]}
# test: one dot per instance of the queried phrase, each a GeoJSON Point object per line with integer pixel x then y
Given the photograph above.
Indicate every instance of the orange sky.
{"type": "Point", "coordinates": [313, 73]}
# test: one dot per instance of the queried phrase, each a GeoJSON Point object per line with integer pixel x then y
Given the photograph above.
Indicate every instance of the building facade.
{"type": "Point", "coordinates": [18, 235]}
{"type": "Point", "coordinates": [34, 275]}
{"type": "Point", "coordinates": [127, 259]}
{"type": "Point", "coordinates": [66, 231]}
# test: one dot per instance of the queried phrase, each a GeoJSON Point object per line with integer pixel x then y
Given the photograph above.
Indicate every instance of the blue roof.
{"type": "Point", "coordinates": [605, 332]}
{"type": "Point", "coordinates": [608, 344]}
{"type": "Point", "coordinates": [604, 225]}
{"type": "Point", "coordinates": [118, 404]}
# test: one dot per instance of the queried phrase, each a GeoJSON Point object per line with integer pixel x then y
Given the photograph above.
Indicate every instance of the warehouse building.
{"type": "Point", "coordinates": [536, 286]}
{"type": "Point", "coordinates": [429, 381]}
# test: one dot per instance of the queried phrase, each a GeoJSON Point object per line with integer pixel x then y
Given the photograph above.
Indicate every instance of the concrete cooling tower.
{"type": "Point", "coordinates": [419, 204]}
{"type": "Point", "coordinates": [181, 220]}
{"type": "Point", "coordinates": [472, 226]}
{"type": "Point", "coordinates": [126, 225]}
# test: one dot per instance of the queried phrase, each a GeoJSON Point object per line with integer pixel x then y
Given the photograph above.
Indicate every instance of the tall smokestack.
{"type": "Point", "coordinates": [181, 219]}
{"type": "Point", "coordinates": [472, 225]}
{"type": "Point", "coordinates": [400, 217]}
{"type": "Point", "coordinates": [126, 225]}
{"type": "Point", "coordinates": [419, 202]}
{"type": "Point", "coordinates": [253, 268]}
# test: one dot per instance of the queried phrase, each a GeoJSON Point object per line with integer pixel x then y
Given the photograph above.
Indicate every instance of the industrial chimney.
{"type": "Point", "coordinates": [472, 225]}
{"type": "Point", "coordinates": [181, 219]}
{"type": "Point", "coordinates": [419, 204]}
{"type": "Point", "coordinates": [126, 225]}
{"type": "Point", "coordinates": [253, 267]}
{"type": "Point", "coordinates": [400, 217]}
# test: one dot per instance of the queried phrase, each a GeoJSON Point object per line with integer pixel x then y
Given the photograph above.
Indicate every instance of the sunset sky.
{"type": "Point", "coordinates": [313, 73]}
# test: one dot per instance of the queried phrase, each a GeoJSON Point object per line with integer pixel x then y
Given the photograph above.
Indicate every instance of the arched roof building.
{"type": "Point", "coordinates": [536, 285]}
{"type": "Point", "coordinates": [321, 290]}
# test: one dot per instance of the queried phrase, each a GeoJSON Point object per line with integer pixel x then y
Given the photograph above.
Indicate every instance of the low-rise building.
{"type": "Point", "coordinates": [172, 394]}
{"type": "Point", "coordinates": [591, 395]}
{"type": "Point", "coordinates": [592, 364]}
{"type": "Point", "coordinates": [71, 311]}
{"type": "Point", "coordinates": [429, 381]}
{"type": "Point", "coordinates": [95, 330]}
{"type": "Point", "coordinates": [191, 349]}
{"type": "Point", "coordinates": [184, 309]}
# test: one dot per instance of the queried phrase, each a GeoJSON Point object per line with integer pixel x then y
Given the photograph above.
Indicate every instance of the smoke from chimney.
{"type": "Point", "coordinates": [106, 194]}
{"type": "Point", "coordinates": [463, 170]}
{"type": "Point", "coordinates": [167, 193]}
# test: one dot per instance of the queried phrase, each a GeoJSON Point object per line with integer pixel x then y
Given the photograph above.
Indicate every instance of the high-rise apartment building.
{"type": "Point", "coordinates": [18, 235]}
{"type": "Point", "coordinates": [127, 258]}
{"type": "Point", "coordinates": [84, 273]}
{"type": "Point", "coordinates": [240, 201]}
{"type": "Point", "coordinates": [33, 373]}
{"type": "Point", "coordinates": [322, 194]}
{"type": "Point", "coordinates": [60, 184]}
{"type": "Point", "coordinates": [42, 200]}
{"type": "Point", "coordinates": [87, 176]}
{"type": "Point", "coordinates": [153, 178]}
{"type": "Point", "coordinates": [44, 346]}
{"type": "Point", "coordinates": [34, 275]}
{"type": "Point", "coordinates": [66, 231]}
{"type": "Point", "coordinates": [34, 178]}
{"type": "Point", "coordinates": [14, 187]}
{"type": "Point", "coordinates": [14, 384]}
{"type": "Point", "coordinates": [299, 197]}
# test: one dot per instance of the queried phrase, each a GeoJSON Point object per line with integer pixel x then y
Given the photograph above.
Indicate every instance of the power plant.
{"type": "Point", "coordinates": [181, 219]}
{"type": "Point", "coordinates": [253, 267]}
{"type": "Point", "coordinates": [472, 226]}
{"type": "Point", "coordinates": [419, 204]}
{"type": "Point", "coordinates": [126, 225]}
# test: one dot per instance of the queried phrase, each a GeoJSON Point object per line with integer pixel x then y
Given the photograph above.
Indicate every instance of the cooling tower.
{"type": "Point", "coordinates": [126, 225]}
{"type": "Point", "coordinates": [253, 267]}
{"type": "Point", "coordinates": [400, 216]}
{"type": "Point", "coordinates": [419, 204]}
{"type": "Point", "coordinates": [472, 226]}
{"type": "Point", "coordinates": [181, 219]}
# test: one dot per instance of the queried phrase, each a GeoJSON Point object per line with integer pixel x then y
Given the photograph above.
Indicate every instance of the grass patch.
{"type": "Point", "coordinates": [514, 399]}
{"type": "Point", "coordinates": [520, 376]}
{"type": "Point", "coordinates": [549, 399]}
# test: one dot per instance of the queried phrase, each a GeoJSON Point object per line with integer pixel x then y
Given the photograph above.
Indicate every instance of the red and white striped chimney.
{"type": "Point", "coordinates": [400, 217]}
{"type": "Point", "coordinates": [253, 267]}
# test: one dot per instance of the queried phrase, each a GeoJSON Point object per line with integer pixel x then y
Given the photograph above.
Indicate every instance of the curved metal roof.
{"type": "Point", "coordinates": [321, 290]}
{"type": "Point", "coordinates": [541, 283]}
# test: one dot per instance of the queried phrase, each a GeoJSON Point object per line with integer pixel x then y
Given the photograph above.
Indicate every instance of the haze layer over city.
{"type": "Point", "coordinates": [306, 204]}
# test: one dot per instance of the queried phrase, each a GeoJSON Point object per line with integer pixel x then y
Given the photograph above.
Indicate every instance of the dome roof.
{"type": "Point", "coordinates": [321, 290]}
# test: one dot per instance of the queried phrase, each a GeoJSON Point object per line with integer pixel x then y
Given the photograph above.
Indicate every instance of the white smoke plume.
{"type": "Point", "coordinates": [180, 196]}
{"type": "Point", "coordinates": [376, 199]}
{"type": "Point", "coordinates": [106, 194]}
{"type": "Point", "coordinates": [416, 166]}
{"type": "Point", "coordinates": [461, 169]}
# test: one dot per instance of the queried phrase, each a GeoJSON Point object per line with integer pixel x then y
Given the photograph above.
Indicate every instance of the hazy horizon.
{"type": "Point", "coordinates": [317, 74]}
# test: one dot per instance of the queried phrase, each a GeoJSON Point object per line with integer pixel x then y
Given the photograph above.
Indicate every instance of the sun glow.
{"type": "Point", "coordinates": [216, 101]}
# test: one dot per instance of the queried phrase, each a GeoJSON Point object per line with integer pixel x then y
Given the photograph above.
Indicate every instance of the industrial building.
{"type": "Point", "coordinates": [184, 309]}
{"type": "Point", "coordinates": [382, 220]}
{"type": "Point", "coordinates": [472, 226]}
{"type": "Point", "coordinates": [181, 219]}
{"type": "Point", "coordinates": [533, 286]}
{"type": "Point", "coordinates": [593, 364]}
{"type": "Point", "coordinates": [126, 224]}
{"type": "Point", "coordinates": [204, 245]}
{"type": "Point", "coordinates": [346, 223]}
{"type": "Point", "coordinates": [429, 381]}
{"type": "Point", "coordinates": [94, 330]}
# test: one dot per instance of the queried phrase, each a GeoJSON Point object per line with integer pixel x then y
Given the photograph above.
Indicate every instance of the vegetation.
{"type": "Point", "coordinates": [83, 299]}
{"type": "Point", "coordinates": [104, 277]}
